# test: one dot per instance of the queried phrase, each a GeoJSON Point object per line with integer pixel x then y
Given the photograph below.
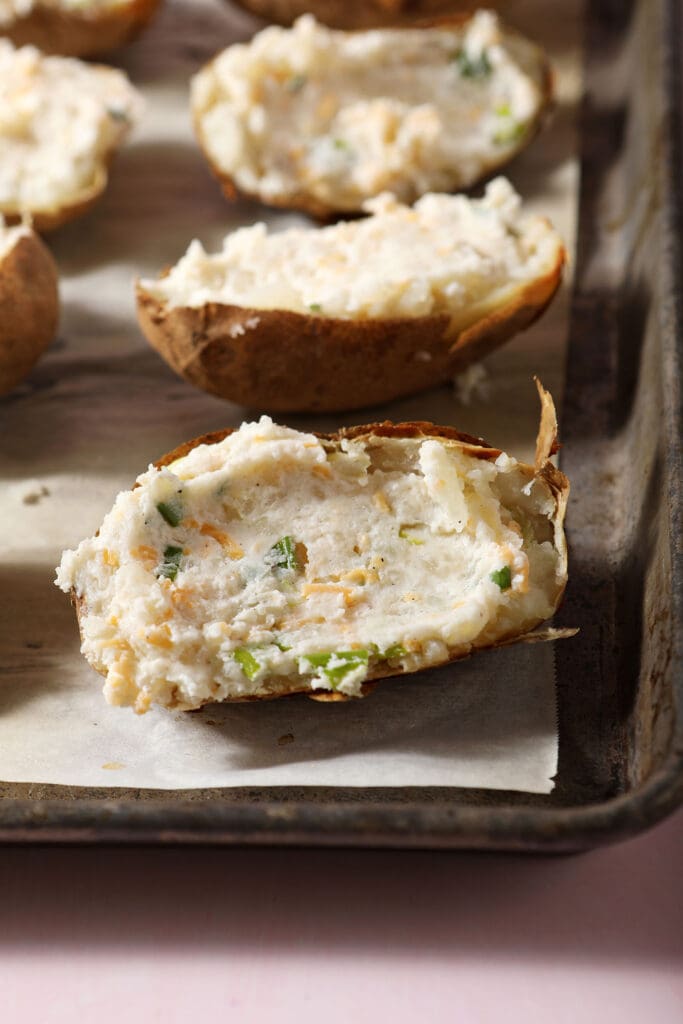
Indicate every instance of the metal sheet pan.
{"type": "Point", "coordinates": [620, 690]}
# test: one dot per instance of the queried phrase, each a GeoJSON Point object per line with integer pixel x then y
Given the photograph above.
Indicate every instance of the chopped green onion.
{"type": "Point", "coordinates": [511, 132]}
{"type": "Point", "coordinates": [343, 662]}
{"type": "Point", "coordinates": [171, 511]}
{"type": "Point", "coordinates": [395, 651]}
{"type": "Point", "coordinates": [340, 143]}
{"type": "Point", "coordinates": [118, 115]}
{"type": "Point", "coordinates": [247, 662]}
{"type": "Point", "coordinates": [282, 555]}
{"type": "Point", "coordinates": [502, 577]}
{"type": "Point", "coordinates": [295, 83]}
{"type": "Point", "coordinates": [472, 67]}
{"type": "Point", "coordinates": [171, 563]}
{"type": "Point", "coordinates": [503, 110]}
{"type": "Point", "coordinates": [282, 647]}
{"type": "Point", "coordinates": [315, 307]}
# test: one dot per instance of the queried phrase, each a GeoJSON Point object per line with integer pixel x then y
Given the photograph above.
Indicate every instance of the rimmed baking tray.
{"type": "Point", "coordinates": [620, 685]}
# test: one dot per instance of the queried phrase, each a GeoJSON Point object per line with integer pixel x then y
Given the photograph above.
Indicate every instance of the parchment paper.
{"type": "Point", "coordinates": [101, 406]}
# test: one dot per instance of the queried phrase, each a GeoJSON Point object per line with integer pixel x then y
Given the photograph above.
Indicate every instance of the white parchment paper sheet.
{"type": "Point", "coordinates": [101, 406]}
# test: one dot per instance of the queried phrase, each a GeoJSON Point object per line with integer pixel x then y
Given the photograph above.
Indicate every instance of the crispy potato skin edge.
{"type": "Point", "coordinates": [556, 482]}
{"type": "Point", "coordinates": [29, 308]}
{"type": "Point", "coordinates": [290, 362]}
{"type": "Point", "coordinates": [73, 34]}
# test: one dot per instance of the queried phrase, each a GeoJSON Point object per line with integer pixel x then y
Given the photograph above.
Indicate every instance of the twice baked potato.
{"type": "Point", "coordinates": [356, 313]}
{"type": "Point", "coordinates": [261, 562]}
{"type": "Point", "coordinates": [61, 121]}
{"type": "Point", "coordinates": [353, 14]}
{"type": "Point", "coordinates": [318, 120]}
{"type": "Point", "coordinates": [74, 28]}
{"type": "Point", "coordinates": [29, 303]}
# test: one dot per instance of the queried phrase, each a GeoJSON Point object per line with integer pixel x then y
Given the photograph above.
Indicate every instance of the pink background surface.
{"type": "Point", "coordinates": [190, 935]}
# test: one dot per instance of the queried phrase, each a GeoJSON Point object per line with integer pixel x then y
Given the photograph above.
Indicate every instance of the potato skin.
{"type": "Point", "coordinates": [290, 362]}
{"type": "Point", "coordinates": [353, 14]}
{"type": "Point", "coordinates": [29, 308]}
{"type": "Point", "coordinates": [74, 34]}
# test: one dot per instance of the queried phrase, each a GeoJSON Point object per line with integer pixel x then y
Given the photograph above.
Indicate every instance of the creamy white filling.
{"type": "Point", "coordinates": [59, 120]}
{"type": "Point", "coordinates": [343, 116]}
{"type": "Point", "coordinates": [13, 10]}
{"type": "Point", "coordinates": [447, 254]}
{"type": "Point", "coordinates": [273, 557]}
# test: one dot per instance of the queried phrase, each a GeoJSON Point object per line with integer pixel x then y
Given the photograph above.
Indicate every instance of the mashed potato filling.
{"type": "Point", "coordinates": [59, 120]}
{"type": "Point", "coordinates": [447, 254]}
{"type": "Point", "coordinates": [275, 561]}
{"type": "Point", "coordinates": [343, 116]}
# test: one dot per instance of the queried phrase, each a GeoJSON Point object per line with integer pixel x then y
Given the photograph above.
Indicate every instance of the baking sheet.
{"type": "Point", "coordinates": [101, 406]}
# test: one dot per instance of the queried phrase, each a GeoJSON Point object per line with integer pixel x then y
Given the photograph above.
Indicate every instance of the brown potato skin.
{"type": "Point", "coordinates": [74, 34]}
{"type": "Point", "coordinates": [29, 308]}
{"type": "Point", "coordinates": [324, 212]}
{"type": "Point", "coordinates": [289, 362]}
{"type": "Point", "coordinates": [555, 481]}
{"type": "Point", "coordinates": [353, 14]}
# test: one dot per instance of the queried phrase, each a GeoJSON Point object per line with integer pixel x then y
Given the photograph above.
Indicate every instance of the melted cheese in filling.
{"type": "Point", "coordinates": [273, 561]}
{"type": "Point", "coordinates": [447, 254]}
{"type": "Point", "coordinates": [59, 120]}
{"type": "Point", "coordinates": [344, 116]}
{"type": "Point", "coordinates": [13, 10]}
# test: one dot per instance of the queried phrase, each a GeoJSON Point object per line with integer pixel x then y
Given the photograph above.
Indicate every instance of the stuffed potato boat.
{"type": "Point", "coordinates": [74, 28]}
{"type": "Point", "coordinates": [29, 303]}
{"type": "Point", "coordinates": [319, 120]}
{"type": "Point", "coordinates": [61, 121]}
{"type": "Point", "coordinates": [357, 313]}
{"type": "Point", "coordinates": [261, 562]}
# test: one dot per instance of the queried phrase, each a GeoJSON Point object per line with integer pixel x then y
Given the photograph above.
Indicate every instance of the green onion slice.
{"type": "Point", "coordinates": [171, 511]}
{"type": "Point", "coordinates": [511, 132]}
{"type": "Point", "coordinates": [171, 563]}
{"type": "Point", "coordinates": [395, 651]}
{"type": "Point", "coordinates": [502, 577]}
{"type": "Point", "coordinates": [247, 662]}
{"type": "Point", "coordinates": [336, 665]}
{"type": "Point", "coordinates": [282, 555]}
{"type": "Point", "coordinates": [473, 67]}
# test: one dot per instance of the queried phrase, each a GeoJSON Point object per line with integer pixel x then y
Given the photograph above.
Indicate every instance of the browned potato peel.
{"type": "Point", "coordinates": [290, 362]}
{"type": "Point", "coordinates": [74, 33]}
{"type": "Point", "coordinates": [29, 307]}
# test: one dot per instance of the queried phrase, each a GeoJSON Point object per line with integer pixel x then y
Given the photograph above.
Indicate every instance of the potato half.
{"type": "Point", "coordinates": [359, 312]}
{"type": "Point", "coordinates": [261, 562]}
{"type": "Point", "coordinates": [29, 303]}
{"type": "Point", "coordinates": [61, 121]}
{"type": "Point", "coordinates": [74, 28]}
{"type": "Point", "coordinates": [314, 119]}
